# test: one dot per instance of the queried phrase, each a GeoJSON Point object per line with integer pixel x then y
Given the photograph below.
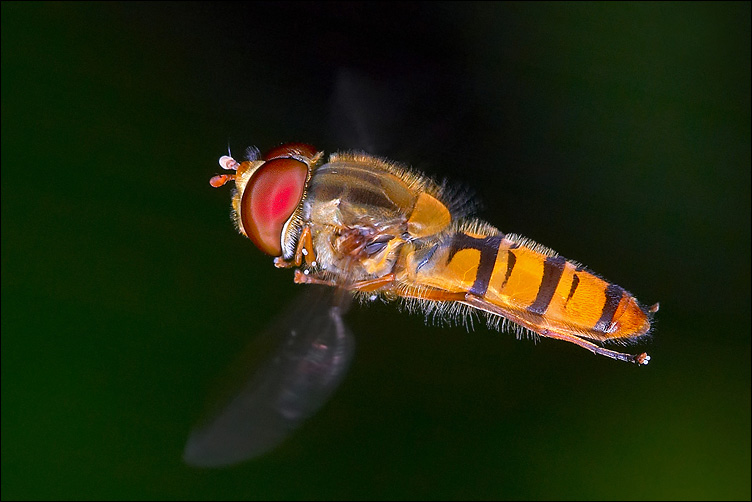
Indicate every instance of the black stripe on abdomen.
{"type": "Point", "coordinates": [511, 261]}
{"type": "Point", "coordinates": [553, 267]}
{"type": "Point", "coordinates": [573, 288]}
{"type": "Point", "coordinates": [486, 266]}
{"type": "Point", "coordinates": [489, 248]}
{"type": "Point", "coordinates": [614, 294]}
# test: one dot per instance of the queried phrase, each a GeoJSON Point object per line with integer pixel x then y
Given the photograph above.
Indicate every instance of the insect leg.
{"type": "Point", "coordinates": [304, 250]}
{"type": "Point", "coordinates": [639, 359]}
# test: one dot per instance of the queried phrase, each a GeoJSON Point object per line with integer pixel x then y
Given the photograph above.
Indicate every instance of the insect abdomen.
{"type": "Point", "coordinates": [563, 294]}
{"type": "Point", "coordinates": [532, 286]}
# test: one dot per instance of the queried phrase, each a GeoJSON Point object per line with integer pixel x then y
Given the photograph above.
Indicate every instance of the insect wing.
{"type": "Point", "coordinates": [313, 350]}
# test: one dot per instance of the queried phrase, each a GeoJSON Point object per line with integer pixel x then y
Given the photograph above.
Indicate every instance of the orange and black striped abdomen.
{"type": "Point", "coordinates": [533, 286]}
{"type": "Point", "coordinates": [566, 297]}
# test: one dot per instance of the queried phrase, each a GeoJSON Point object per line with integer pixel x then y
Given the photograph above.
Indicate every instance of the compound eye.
{"type": "Point", "coordinates": [269, 199]}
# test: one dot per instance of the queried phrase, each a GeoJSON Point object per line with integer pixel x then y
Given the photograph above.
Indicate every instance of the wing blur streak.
{"type": "Point", "coordinates": [313, 350]}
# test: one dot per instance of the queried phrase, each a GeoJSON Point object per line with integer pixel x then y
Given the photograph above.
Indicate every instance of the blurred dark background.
{"type": "Point", "coordinates": [617, 134]}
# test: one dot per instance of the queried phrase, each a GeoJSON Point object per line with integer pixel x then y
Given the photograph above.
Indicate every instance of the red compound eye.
{"type": "Point", "coordinates": [269, 199]}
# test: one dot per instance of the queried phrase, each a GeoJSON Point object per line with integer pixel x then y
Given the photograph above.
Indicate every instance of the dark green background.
{"type": "Point", "coordinates": [617, 134]}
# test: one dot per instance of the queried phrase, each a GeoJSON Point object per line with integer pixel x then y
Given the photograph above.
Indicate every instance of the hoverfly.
{"type": "Point", "coordinates": [365, 226]}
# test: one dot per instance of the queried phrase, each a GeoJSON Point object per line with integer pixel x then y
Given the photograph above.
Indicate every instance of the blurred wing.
{"type": "Point", "coordinates": [312, 352]}
{"type": "Point", "coordinates": [421, 113]}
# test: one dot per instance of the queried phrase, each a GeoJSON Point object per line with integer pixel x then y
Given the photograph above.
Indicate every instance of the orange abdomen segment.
{"type": "Point", "coordinates": [533, 287]}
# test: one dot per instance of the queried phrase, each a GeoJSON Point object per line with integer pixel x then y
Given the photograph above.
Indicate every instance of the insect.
{"type": "Point", "coordinates": [369, 227]}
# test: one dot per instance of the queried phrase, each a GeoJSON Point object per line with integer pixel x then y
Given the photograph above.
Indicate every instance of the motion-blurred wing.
{"type": "Point", "coordinates": [313, 349]}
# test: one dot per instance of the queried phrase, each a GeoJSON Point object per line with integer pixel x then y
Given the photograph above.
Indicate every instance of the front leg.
{"type": "Point", "coordinates": [365, 286]}
{"type": "Point", "coordinates": [307, 278]}
{"type": "Point", "coordinates": [304, 250]}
